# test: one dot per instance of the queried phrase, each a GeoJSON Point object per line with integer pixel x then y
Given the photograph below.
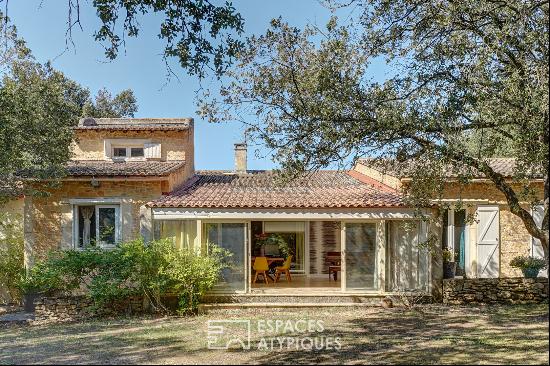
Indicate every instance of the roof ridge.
{"type": "Point", "coordinates": [339, 189]}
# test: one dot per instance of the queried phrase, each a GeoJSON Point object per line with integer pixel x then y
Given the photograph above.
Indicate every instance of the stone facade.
{"type": "Point", "coordinates": [52, 217]}
{"type": "Point", "coordinates": [514, 238]}
{"type": "Point", "coordinates": [176, 145]}
{"type": "Point", "coordinates": [49, 221]}
{"type": "Point", "coordinates": [514, 290]}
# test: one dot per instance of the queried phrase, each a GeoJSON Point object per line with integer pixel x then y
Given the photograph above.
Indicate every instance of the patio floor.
{"type": "Point", "coordinates": [298, 284]}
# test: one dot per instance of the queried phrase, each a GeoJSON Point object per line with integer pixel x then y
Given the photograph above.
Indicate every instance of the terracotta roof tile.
{"type": "Point", "coordinates": [126, 168]}
{"type": "Point", "coordinates": [261, 189]}
{"type": "Point", "coordinates": [504, 166]}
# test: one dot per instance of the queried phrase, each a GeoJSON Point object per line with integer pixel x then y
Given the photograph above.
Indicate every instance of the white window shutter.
{"type": "Point", "coordinates": [152, 151]}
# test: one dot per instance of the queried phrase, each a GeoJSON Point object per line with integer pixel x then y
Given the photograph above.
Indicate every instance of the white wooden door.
{"type": "Point", "coordinates": [488, 240]}
{"type": "Point", "coordinates": [536, 249]}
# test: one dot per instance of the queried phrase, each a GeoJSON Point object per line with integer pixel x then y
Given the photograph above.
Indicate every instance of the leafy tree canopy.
{"type": "Point", "coordinates": [466, 78]}
{"type": "Point", "coordinates": [123, 104]}
{"type": "Point", "coordinates": [200, 34]}
{"type": "Point", "coordinates": [39, 106]}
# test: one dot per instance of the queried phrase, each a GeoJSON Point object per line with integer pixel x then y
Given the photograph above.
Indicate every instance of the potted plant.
{"type": "Point", "coordinates": [272, 239]}
{"type": "Point", "coordinates": [449, 264]}
{"type": "Point", "coordinates": [530, 266]}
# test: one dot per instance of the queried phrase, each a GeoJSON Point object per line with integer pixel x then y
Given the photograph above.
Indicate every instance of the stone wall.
{"type": "Point", "coordinates": [175, 145]}
{"type": "Point", "coordinates": [516, 290]}
{"type": "Point", "coordinates": [51, 227]}
{"type": "Point", "coordinates": [81, 307]}
{"type": "Point", "coordinates": [514, 238]}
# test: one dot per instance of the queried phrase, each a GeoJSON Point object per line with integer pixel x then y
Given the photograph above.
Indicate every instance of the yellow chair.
{"type": "Point", "coordinates": [260, 267]}
{"type": "Point", "coordinates": [285, 268]}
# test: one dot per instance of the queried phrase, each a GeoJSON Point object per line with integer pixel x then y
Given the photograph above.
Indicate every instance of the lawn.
{"type": "Point", "coordinates": [434, 334]}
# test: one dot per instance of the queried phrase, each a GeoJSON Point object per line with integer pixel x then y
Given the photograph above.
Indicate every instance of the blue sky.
{"type": "Point", "coordinates": [43, 23]}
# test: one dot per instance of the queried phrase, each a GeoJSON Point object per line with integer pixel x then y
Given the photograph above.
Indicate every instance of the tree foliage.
{"type": "Point", "coordinates": [39, 106]}
{"type": "Point", "coordinates": [202, 36]}
{"type": "Point", "coordinates": [124, 104]}
{"type": "Point", "coordinates": [466, 78]}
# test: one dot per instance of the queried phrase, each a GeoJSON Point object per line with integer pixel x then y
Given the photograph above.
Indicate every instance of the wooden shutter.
{"type": "Point", "coordinates": [536, 246]}
{"type": "Point", "coordinates": [488, 238]}
{"type": "Point", "coordinates": [152, 151]}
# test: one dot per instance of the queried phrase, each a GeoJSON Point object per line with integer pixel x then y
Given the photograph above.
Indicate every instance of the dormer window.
{"type": "Point", "coordinates": [128, 152]}
{"type": "Point", "coordinates": [137, 152]}
{"type": "Point", "coordinates": [119, 152]}
{"type": "Point", "coordinates": [132, 149]}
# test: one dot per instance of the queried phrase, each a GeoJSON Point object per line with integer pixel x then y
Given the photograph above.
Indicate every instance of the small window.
{"type": "Point", "coordinates": [119, 152]}
{"type": "Point", "coordinates": [97, 225]}
{"type": "Point", "coordinates": [137, 152]}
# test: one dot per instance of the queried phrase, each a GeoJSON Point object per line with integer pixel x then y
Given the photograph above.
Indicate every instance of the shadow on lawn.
{"type": "Point", "coordinates": [433, 335]}
{"type": "Point", "coordinates": [494, 337]}
{"type": "Point", "coordinates": [111, 342]}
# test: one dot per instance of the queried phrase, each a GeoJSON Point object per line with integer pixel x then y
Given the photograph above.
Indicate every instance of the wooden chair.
{"type": "Point", "coordinates": [333, 270]}
{"type": "Point", "coordinates": [285, 268]}
{"type": "Point", "coordinates": [260, 268]}
{"type": "Point", "coordinates": [334, 261]}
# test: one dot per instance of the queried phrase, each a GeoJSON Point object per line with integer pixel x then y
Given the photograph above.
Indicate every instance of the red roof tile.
{"type": "Point", "coordinates": [261, 189]}
{"type": "Point", "coordinates": [100, 168]}
{"type": "Point", "coordinates": [504, 166]}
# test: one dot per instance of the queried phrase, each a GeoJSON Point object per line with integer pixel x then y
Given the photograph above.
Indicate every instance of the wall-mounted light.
{"type": "Point", "coordinates": [95, 183]}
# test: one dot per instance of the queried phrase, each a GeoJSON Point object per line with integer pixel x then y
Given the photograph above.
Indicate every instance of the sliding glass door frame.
{"type": "Point", "coordinates": [380, 262]}
{"type": "Point", "coordinates": [246, 249]}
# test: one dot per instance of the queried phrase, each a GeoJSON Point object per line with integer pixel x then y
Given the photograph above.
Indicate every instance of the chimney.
{"type": "Point", "coordinates": [240, 157]}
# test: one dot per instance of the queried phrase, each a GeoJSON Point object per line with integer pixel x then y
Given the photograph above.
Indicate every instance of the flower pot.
{"type": "Point", "coordinates": [530, 272]}
{"type": "Point", "coordinates": [28, 302]}
{"type": "Point", "coordinates": [449, 269]}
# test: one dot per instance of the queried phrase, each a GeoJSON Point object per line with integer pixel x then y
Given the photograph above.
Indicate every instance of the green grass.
{"type": "Point", "coordinates": [432, 334]}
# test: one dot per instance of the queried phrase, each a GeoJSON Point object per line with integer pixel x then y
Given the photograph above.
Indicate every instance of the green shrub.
{"type": "Point", "coordinates": [133, 268]}
{"type": "Point", "coordinates": [12, 267]}
{"type": "Point", "coordinates": [524, 262]}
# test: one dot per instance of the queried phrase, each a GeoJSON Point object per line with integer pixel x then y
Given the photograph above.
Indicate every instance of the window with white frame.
{"type": "Point", "coordinates": [96, 225]}
{"type": "Point", "coordinates": [128, 152]}
{"type": "Point", "coordinates": [132, 149]}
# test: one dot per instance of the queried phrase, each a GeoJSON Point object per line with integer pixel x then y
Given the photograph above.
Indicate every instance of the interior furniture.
{"type": "Point", "coordinates": [260, 267]}
{"type": "Point", "coordinates": [285, 268]}
{"type": "Point", "coordinates": [334, 262]}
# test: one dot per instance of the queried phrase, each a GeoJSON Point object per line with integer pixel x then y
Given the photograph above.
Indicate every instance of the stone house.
{"type": "Point", "coordinates": [350, 232]}
{"type": "Point", "coordinates": [117, 167]}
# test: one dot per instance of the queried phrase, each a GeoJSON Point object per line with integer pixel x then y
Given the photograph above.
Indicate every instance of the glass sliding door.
{"type": "Point", "coordinates": [360, 256]}
{"type": "Point", "coordinates": [231, 237]}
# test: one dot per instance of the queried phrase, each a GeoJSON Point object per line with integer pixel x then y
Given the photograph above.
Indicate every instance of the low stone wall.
{"type": "Point", "coordinates": [81, 307]}
{"type": "Point", "coordinates": [495, 291]}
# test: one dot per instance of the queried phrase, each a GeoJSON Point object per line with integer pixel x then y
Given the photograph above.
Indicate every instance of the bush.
{"type": "Point", "coordinates": [133, 268]}
{"type": "Point", "coordinates": [12, 267]}
{"type": "Point", "coordinates": [523, 262]}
